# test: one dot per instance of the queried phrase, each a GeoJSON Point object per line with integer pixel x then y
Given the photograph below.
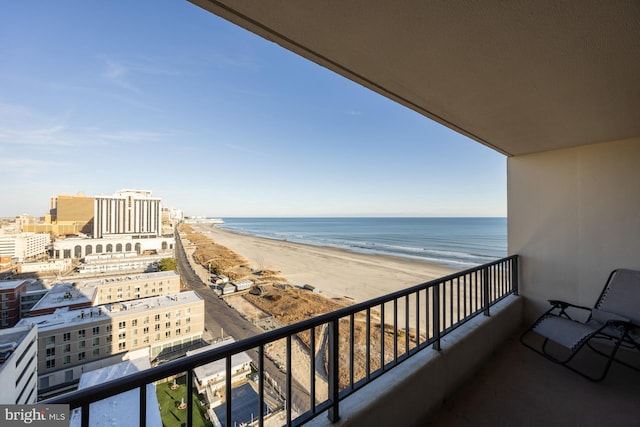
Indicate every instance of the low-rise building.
{"type": "Point", "coordinates": [10, 291]}
{"type": "Point", "coordinates": [117, 409]}
{"type": "Point", "coordinates": [18, 365]}
{"type": "Point", "coordinates": [213, 375]}
{"type": "Point", "coordinates": [93, 292]}
{"type": "Point", "coordinates": [24, 246]}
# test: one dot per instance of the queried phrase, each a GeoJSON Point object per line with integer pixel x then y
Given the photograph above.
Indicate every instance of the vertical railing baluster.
{"type": "Point", "coordinates": [417, 320]}
{"type": "Point", "coordinates": [382, 337]}
{"type": "Point", "coordinates": [395, 330]}
{"type": "Point", "coordinates": [351, 348]}
{"type": "Point", "coordinates": [143, 405]}
{"type": "Point", "coordinates": [368, 344]}
{"type": "Point", "coordinates": [261, 384]}
{"type": "Point", "coordinates": [450, 304]}
{"type": "Point", "coordinates": [458, 298]}
{"type": "Point", "coordinates": [427, 312]}
{"type": "Point", "coordinates": [334, 386]}
{"type": "Point", "coordinates": [227, 393]}
{"type": "Point", "coordinates": [464, 293]}
{"type": "Point", "coordinates": [288, 376]}
{"type": "Point", "coordinates": [514, 276]}
{"type": "Point", "coordinates": [485, 290]}
{"type": "Point", "coordinates": [190, 396]}
{"type": "Point", "coordinates": [406, 326]}
{"type": "Point", "coordinates": [436, 316]}
{"type": "Point", "coordinates": [312, 379]}
{"type": "Point", "coordinates": [84, 416]}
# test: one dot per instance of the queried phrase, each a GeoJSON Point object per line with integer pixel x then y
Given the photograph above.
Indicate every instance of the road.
{"type": "Point", "coordinates": [221, 319]}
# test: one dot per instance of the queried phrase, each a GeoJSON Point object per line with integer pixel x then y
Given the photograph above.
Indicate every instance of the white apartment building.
{"type": "Point", "coordinates": [132, 212]}
{"type": "Point", "coordinates": [24, 246]}
{"type": "Point", "coordinates": [18, 365]}
{"type": "Point", "coordinates": [71, 342]}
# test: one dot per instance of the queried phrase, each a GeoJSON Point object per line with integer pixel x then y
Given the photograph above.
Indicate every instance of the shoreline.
{"type": "Point", "coordinates": [334, 272]}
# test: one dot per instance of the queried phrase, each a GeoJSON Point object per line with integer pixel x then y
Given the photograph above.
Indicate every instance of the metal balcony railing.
{"type": "Point", "coordinates": [357, 344]}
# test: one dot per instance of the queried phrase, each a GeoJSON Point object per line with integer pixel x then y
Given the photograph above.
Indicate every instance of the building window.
{"type": "Point", "coordinates": [66, 348]}
{"type": "Point", "coordinates": [96, 341]}
{"type": "Point", "coordinates": [157, 337]}
{"type": "Point", "coordinates": [81, 344]}
{"type": "Point", "coordinates": [109, 338]}
{"type": "Point", "coordinates": [122, 325]}
{"type": "Point", "coordinates": [51, 363]}
{"type": "Point", "coordinates": [135, 343]}
{"type": "Point", "coordinates": [188, 329]}
{"type": "Point", "coordinates": [108, 329]}
{"type": "Point", "coordinates": [146, 320]}
{"type": "Point", "coordinates": [157, 317]}
{"type": "Point", "coordinates": [157, 327]}
{"type": "Point", "coordinates": [122, 336]}
{"type": "Point", "coordinates": [49, 341]}
{"type": "Point", "coordinates": [145, 340]}
{"type": "Point", "coordinates": [82, 356]}
{"type": "Point", "coordinates": [145, 330]}
{"type": "Point", "coordinates": [96, 352]}
{"type": "Point", "coordinates": [66, 336]}
{"type": "Point", "coordinates": [96, 330]}
{"type": "Point", "coordinates": [134, 322]}
{"type": "Point", "coordinates": [167, 325]}
{"type": "Point", "coordinates": [178, 331]}
{"type": "Point", "coordinates": [167, 334]}
{"type": "Point", "coordinates": [51, 351]}
{"type": "Point", "coordinates": [81, 333]}
{"type": "Point", "coordinates": [122, 346]}
{"type": "Point", "coordinates": [177, 323]}
{"type": "Point", "coordinates": [66, 360]}
{"type": "Point", "coordinates": [167, 315]}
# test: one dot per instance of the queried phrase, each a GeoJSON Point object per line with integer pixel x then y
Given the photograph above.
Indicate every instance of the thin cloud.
{"type": "Point", "coordinates": [26, 167]}
{"type": "Point", "coordinates": [122, 72]}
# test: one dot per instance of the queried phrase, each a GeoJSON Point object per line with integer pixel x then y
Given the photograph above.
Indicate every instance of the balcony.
{"type": "Point", "coordinates": [365, 371]}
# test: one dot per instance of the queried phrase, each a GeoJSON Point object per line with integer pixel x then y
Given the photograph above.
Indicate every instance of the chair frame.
{"type": "Point", "coordinates": [622, 337]}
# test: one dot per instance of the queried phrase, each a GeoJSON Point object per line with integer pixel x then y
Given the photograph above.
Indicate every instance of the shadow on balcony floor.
{"type": "Point", "coordinates": [521, 388]}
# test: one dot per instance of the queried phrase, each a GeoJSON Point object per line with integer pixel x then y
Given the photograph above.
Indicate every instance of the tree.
{"type": "Point", "coordinates": [167, 264]}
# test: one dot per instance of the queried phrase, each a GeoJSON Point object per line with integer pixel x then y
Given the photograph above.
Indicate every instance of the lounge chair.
{"type": "Point", "coordinates": [612, 324]}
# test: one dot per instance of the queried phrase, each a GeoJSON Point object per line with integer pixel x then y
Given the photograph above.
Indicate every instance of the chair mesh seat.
{"type": "Point", "coordinates": [567, 333]}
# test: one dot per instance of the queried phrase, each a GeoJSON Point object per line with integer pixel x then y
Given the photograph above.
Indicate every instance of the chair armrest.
{"type": "Point", "coordinates": [563, 305]}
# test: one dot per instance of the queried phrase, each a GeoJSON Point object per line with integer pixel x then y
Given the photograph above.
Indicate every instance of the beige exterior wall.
{"type": "Point", "coordinates": [126, 288]}
{"type": "Point", "coordinates": [67, 347]}
{"type": "Point", "coordinates": [574, 216]}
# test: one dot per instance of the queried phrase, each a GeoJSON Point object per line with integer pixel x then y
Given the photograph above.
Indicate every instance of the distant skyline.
{"type": "Point", "coordinates": [102, 96]}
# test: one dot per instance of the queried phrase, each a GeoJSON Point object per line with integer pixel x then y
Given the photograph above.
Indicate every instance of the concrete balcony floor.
{"type": "Point", "coordinates": [518, 387]}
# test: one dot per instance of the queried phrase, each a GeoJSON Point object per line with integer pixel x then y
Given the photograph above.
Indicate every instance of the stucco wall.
{"type": "Point", "coordinates": [574, 215]}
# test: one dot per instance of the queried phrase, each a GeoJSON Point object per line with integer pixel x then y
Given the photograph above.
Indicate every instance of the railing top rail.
{"type": "Point", "coordinates": [137, 379]}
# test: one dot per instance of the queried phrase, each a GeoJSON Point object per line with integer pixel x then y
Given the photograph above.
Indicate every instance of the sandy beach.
{"type": "Point", "coordinates": [334, 272]}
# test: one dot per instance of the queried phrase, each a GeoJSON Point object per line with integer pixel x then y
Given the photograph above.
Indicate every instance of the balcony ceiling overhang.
{"type": "Point", "coordinates": [518, 76]}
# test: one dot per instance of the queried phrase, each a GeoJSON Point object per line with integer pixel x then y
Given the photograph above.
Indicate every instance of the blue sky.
{"type": "Point", "coordinates": [100, 96]}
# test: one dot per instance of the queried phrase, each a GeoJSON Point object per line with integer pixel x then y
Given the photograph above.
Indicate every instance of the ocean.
{"type": "Point", "coordinates": [454, 242]}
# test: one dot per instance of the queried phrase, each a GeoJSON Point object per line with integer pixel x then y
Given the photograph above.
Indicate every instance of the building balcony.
{"type": "Point", "coordinates": [433, 337]}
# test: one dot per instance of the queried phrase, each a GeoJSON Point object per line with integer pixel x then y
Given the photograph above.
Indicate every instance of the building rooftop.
{"type": "Point", "coordinates": [6, 285]}
{"type": "Point", "coordinates": [64, 295]}
{"type": "Point", "coordinates": [85, 291]}
{"type": "Point", "coordinates": [64, 316]}
{"type": "Point", "coordinates": [126, 278]}
{"type": "Point", "coordinates": [9, 340]}
{"type": "Point", "coordinates": [213, 369]}
{"type": "Point", "coordinates": [118, 409]}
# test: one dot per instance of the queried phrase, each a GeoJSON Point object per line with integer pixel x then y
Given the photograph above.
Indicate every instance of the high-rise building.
{"type": "Point", "coordinates": [73, 213]}
{"type": "Point", "coordinates": [128, 212]}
